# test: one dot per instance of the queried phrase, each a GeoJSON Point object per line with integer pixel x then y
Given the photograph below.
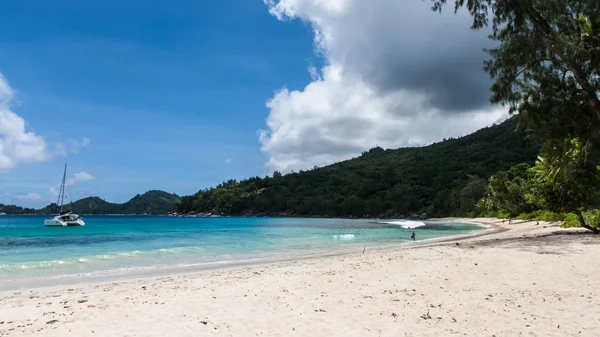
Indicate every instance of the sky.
{"type": "Point", "coordinates": [182, 95]}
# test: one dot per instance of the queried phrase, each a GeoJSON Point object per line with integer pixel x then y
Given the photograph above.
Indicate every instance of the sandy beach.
{"type": "Point", "coordinates": [523, 279]}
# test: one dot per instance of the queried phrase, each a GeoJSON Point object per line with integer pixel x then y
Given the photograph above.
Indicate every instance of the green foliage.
{"type": "Point", "coordinates": [591, 218]}
{"type": "Point", "coordinates": [565, 180]}
{"type": "Point", "coordinates": [547, 64]}
{"type": "Point", "coordinates": [507, 191]}
{"type": "Point", "coordinates": [544, 215]}
{"type": "Point", "coordinates": [13, 209]}
{"type": "Point", "coordinates": [571, 221]}
{"type": "Point", "coordinates": [443, 179]}
{"type": "Point", "coordinates": [151, 202]}
{"type": "Point", "coordinates": [547, 68]}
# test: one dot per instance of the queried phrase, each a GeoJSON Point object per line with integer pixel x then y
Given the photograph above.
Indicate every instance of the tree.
{"type": "Point", "coordinates": [549, 46]}
{"type": "Point", "coordinates": [566, 182]}
{"type": "Point", "coordinates": [507, 191]}
{"type": "Point", "coordinates": [547, 66]}
{"type": "Point", "coordinates": [547, 69]}
{"type": "Point", "coordinates": [380, 182]}
{"type": "Point", "coordinates": [471, 194]}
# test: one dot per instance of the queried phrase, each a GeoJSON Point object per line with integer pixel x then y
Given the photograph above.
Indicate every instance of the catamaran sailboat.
{"type": "Point", "coordinates": [64, 218]}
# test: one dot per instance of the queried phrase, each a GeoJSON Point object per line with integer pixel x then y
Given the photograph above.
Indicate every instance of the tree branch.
{"type": "Point", "coordinates": [539, 21]}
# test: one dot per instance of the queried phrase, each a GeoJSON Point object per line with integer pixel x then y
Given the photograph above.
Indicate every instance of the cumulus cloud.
{"type": "Point", "coordinates": [28, 196]}
{"type": "Point", "coordinates": [71, 146]}
{"type": "Point", "coordinates": [17, 144]}
{"type": "Point", "coordinates": [395, 74]}
{"type": "Point", "coordinates": [79, 178]}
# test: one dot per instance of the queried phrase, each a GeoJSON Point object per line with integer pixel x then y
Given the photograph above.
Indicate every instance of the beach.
{"type": "Point", "coordinates": [519, 279]}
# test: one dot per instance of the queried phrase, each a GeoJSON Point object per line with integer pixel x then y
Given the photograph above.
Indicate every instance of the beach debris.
{"type": "Point", "coordinates": [144, 288]}
{"type": "Point", "coordinates": [426, 316]}
{"type": "Point", "coordinates": [82, 301]}
{"type": "Point", "coordinates": [458, 244]}
{"type": "Point", "coordinates": [394, 314]}
{"type": "Point", "coordinates": [204, 322]}
{"type": "Point", "coordinates": [321, 310]}
{"type": "Point", "coordinates": [52, 321]}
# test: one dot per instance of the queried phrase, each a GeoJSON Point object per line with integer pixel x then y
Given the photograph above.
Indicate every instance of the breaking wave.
{"type": "Point", "coordinates": [407, 224]}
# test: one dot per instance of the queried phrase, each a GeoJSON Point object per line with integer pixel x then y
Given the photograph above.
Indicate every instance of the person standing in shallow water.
{"type": "Point", "coordinates": [413, 236]}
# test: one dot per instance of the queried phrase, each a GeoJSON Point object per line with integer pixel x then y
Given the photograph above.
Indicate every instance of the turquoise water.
{"type": "Point", "coordinates": [114, 245]}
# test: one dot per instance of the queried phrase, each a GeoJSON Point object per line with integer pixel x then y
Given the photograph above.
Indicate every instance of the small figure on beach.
{"type": "Point", "coordinates": [510, 221]}
{"type": "Point", "coordinates": [413, 236]}
{"type": "Point", "coordinates": [537, 222]}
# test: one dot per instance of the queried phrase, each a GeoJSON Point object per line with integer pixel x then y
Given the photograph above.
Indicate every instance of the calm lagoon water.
{"type": "Point", "coordinates": [117, 245]}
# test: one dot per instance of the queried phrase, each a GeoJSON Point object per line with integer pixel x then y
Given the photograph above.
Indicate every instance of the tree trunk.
{"type": "Point", "coordinates": [586, 86]}
{"type": "Point", "coordinates": [584, 225]}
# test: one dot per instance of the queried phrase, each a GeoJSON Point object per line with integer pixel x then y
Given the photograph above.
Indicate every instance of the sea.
{"type": "Point", "coordinates": [110, 247]}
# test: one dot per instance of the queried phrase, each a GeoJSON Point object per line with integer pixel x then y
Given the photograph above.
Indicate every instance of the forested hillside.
{"type": "Point", "coordinates": [443, 179]}
{"type": "Point", "coordinates": [151, 202]}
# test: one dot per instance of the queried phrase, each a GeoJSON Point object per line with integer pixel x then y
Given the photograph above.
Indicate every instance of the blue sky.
{"type": "Point", "coordinates": [169, 96]}
{"type": "Point", "coordinates": [182, 95]}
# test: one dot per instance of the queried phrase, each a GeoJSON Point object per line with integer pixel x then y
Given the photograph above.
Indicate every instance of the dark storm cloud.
{"type": "Point", "coordinates": [396, 74]}
{"type": "Point", "coordinates": [397, 45]}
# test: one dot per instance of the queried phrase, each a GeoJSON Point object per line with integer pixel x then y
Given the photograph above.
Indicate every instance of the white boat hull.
{"type": "Point", "coordinates": [63, 219]}
{"type": "Point", "coordinates": [61, 223]}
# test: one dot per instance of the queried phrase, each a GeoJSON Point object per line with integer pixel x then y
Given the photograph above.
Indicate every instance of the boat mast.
{"type": "Point", "coordinates": [61, 194]}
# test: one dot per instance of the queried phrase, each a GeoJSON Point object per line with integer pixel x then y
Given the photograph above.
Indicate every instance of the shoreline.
{"type": "Point", "coordinates": [520, 279]}
{"type": "Point", "coordinates": [145, 272]}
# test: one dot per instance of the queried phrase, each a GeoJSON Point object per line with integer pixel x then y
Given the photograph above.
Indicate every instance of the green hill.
{"type": "Point", "coordinates": [89, 205]}
{"type": "Point", "coordinates": [12, 209]}
{"type": "Point", "coordinates": [151, 202]}
{"type": "Point", "coordinates": [443, 179]}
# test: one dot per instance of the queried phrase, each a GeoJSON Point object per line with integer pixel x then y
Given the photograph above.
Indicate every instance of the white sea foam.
{"type": "Point", "coordinates": [408, 224]}
{"type": "Point", "coordinates": [344, 236]}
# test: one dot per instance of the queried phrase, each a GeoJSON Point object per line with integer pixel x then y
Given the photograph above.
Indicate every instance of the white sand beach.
{"type": "Point", "coordinates": [525, 279]}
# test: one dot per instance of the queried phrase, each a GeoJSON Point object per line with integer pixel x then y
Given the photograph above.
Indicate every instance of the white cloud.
{"type": "Point", "coordinates": [395, 75]}
{"type": "Point", "coordinates": [71, 146]}
{"type": "Point", "coordinates": [79, 178]}
{"type": "Point", "coordinates": [53, 191]}
{"type": "Point", "coordinates": [29, 196]}
{"type": "Point", "coordinates": [228, 160]}
{"type": "Point", "coordinates": [17, 144]}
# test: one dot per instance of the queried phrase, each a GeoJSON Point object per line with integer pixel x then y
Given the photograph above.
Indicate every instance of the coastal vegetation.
{"type": "Point", "coordinates": [542, 163]}
{"type": "Point", "coordinates": [151, 202]}
{"type": "Point", "coordinates": [546, 68]}
{"type": "Point", "coordinates": [443, 179]}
